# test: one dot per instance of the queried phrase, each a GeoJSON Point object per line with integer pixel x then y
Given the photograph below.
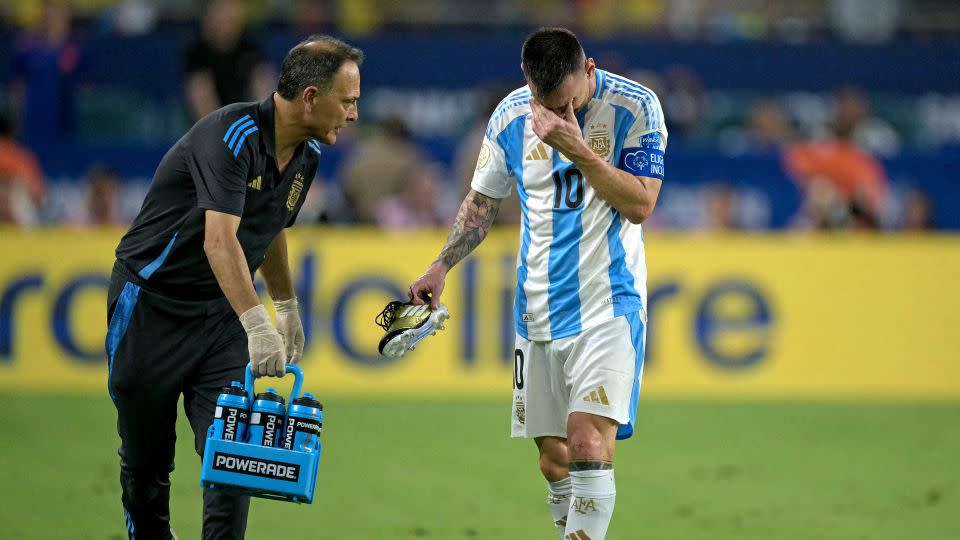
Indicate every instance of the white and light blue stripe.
{"type": "Point", "coordinates": [511, 141]}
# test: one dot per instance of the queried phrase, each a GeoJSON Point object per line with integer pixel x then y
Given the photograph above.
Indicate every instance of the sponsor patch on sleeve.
{"type": "Point", "coordinates": [651, 140]}
{"type": "Point", "coordinates": [642, 161]}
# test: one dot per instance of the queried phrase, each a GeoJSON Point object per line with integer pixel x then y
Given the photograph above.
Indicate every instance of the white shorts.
{"type": "Point", "coordinates": [597, 371]}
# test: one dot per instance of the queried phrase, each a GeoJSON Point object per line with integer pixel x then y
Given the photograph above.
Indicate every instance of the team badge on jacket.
{"type": "Point", "coordinates": [295, 190]}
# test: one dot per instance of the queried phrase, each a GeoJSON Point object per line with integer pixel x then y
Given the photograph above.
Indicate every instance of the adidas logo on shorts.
{"type": "Point", "coordinates": [598, 396]}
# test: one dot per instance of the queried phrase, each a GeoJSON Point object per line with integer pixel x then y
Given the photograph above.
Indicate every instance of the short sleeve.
{"type": "Point", "coordinates": [646, 140]}
{"type": "Point", "coordinates": [219, 173]}
{"type": "Point", "coordinates": [491, 177]}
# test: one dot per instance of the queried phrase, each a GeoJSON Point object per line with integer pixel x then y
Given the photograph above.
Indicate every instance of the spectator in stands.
{"type": "Point", "coordinates": [47, 64]}
{"type": "Point", "coordinates": [103, 197]}
{"type": "Point", "coordinates": [225, 65]}
{"type": "Point", "coordinates": [415, 206]}
{"type": "Point", "coordinates": [380, 165]}
{"type": "Point", "coordinates": [23, 187]}
{"type": "Point", "coordinates": [683, 101]}
{"type": "Point", "coordinates": [917, 211]}
{"type": "Point", "coordinates": [871, 133]}
{"type": "Point", "coordinates": [766, 130]}
{"type": "Point", "coordinates": [844, 186]}
{"type": "Point", "coordinates": [720, 202]}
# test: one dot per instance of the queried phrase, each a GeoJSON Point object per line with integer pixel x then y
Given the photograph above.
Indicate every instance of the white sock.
{"type": "Point", "coordinates": [591, 504]}
{"type": "Point", "coordinates": [558, 499]}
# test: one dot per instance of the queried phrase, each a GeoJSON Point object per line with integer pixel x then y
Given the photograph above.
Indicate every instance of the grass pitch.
{"type": "Point", "coordinates": [447, 470]}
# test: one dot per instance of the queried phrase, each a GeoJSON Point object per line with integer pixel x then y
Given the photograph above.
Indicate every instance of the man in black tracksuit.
{"type": "Point", "coordinates": [182, 310]}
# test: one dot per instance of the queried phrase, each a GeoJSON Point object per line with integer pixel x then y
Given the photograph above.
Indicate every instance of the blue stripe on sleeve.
{"type": "Point", "coordinates": [236, 134]}
{"type": "Point", "coordinates": [644, 95]}
{"type": "Point", "coordinates": [236, 151]}
{"type": "Point", "coordinates": [234, 126]}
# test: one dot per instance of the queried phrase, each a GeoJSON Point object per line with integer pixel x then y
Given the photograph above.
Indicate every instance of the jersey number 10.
{"type": "Point", "coordinates": [570, 184]}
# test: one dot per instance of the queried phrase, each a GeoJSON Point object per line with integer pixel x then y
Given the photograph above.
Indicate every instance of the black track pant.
{"type": "Point", "coordinates": [159, 348]}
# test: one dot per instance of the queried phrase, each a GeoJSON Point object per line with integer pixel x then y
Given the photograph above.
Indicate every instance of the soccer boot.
{"type": "Point", "coordinates": [407, 325]}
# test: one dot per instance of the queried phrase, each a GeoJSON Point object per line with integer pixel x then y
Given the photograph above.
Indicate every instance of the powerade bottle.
{"type": "Point", "coordinates": [266, 418]}
{"type": "Point", "coordinates": [230, 418]}
{"type": "Point", "coordinates": [304, 422]}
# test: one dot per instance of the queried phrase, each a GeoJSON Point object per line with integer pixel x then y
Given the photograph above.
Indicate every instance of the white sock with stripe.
{"type": "Point", "coordinates": [592, 499]}
{"type": "Point", "coordinates": [558, 499]}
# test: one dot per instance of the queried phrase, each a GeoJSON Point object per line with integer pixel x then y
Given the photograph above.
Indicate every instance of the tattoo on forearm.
{"type": "Point", "coordinates": [473, 222]}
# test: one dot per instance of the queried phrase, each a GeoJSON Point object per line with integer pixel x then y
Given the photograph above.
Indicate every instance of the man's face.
{"type": "Point", "coordinates": [330, 112]}
{"type": "Point", "coordinates": [575, 88]}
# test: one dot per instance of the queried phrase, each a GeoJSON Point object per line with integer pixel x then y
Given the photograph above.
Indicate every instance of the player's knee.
{"type": "Point", "coordinates": [589, 444]}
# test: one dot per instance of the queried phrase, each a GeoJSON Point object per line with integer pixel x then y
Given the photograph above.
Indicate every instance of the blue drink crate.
{"type": "Point", "coordinates": [263, 471]}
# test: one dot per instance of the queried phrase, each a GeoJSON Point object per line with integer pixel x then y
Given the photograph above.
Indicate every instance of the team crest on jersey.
{"type": "Point", "coordinates": [484, 157]}
{"type": "Point", "coordinates": [599, 140]}
{"type": "Point", "coordinates": [295, 190]}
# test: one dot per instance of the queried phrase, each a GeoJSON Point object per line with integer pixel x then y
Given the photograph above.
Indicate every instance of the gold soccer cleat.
{"type": "Point", "coordinates": [407, 325]}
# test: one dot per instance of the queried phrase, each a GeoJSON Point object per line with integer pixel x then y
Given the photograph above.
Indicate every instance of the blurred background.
{"type": "Point", "coordinates": [803, 369]}
{"type": "Point", "coordinates": [793, 114]}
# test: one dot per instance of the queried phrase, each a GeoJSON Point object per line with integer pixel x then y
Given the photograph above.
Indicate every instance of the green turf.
{"type": "Point", "coordinates": [447, 470]}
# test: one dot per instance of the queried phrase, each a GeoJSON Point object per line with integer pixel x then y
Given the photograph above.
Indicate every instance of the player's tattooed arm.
{"type": "Point", "coordinates": [473, 222]}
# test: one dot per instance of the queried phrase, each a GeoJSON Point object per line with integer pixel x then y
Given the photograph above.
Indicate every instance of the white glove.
{"type": "Point", "coordinates": [290, 328]}
{"type": "Point", "coordinates": [263, 343]}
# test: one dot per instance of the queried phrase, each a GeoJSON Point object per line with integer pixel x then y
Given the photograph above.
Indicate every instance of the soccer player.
{"type": "Point", "coordinates": [183, 314]}
{"type": "Point", "coordinates": [585, 148]}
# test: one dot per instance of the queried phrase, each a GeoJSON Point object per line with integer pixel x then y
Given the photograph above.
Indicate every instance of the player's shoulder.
{"type": "Point", "coordinates": [232, 127]}
{"type": "Point", "coordinates": [619, 90]}
{"type": "Point", "coordinates": [517, 103]}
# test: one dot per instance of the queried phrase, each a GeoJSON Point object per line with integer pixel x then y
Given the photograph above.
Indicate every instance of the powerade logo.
{"type": "Point", "coordinates": [270, 429]}
{"type": "Point", "coordinates": [230, 425]}
{"type": "Point", "coordinates": [288, 433]}
{"type": "Point", "coordinates": [288, 472]}
{"type": "Point", "coordinates": [308, 426]}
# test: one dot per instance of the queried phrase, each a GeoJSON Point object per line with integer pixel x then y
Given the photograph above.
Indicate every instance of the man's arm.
{"type": "Point", "coordinates": [227, 260]}
{"type": "Point", "coordinates": [633, 196]}
{"type": "Point", "coordinates": [276, 273]}
{"type": "Point", "coordinates": [276, 270]}
{"type": "Point", "coordinates": [264, 344]}
{"type": "Point", "coordinates": [473, 222]}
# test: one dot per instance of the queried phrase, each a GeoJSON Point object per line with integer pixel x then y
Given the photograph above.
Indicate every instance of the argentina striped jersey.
{"type": "Point", "coordinates": [580, 262]}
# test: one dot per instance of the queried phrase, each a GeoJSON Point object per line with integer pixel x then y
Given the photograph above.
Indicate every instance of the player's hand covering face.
{"type": "Point", "coordinates": [290, 328]}
{"type": "Point", "coordinates": [559, 131]}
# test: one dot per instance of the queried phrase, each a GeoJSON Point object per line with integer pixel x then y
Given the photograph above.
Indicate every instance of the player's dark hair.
{"type": "Point", "coordinates": [314, 62]}
{"type": "Point", "coordinates": [548, 56]}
